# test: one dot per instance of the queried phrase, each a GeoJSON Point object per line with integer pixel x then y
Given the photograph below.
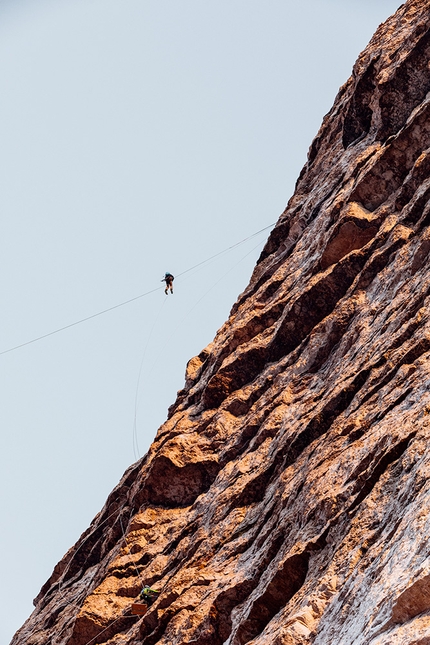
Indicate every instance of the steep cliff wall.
{"type": "Point", "coordinates": [286, 499]}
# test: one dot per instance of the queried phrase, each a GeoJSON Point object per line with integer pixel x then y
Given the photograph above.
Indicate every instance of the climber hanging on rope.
{"type": "Point", "coordinates": [148, 595]}
{"type": "Point", "coordinates": [168, 279]}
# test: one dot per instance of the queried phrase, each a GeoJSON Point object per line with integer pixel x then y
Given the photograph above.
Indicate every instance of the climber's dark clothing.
{"type": "Point", "coordinates": [168, 279]}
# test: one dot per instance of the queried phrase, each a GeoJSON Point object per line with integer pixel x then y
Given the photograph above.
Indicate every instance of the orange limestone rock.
{"type": "Point", "coordinates": [286, 499]}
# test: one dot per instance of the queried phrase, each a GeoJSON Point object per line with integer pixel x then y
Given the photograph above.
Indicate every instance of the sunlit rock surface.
{"type": "Point", "coordinates": [286, 499]}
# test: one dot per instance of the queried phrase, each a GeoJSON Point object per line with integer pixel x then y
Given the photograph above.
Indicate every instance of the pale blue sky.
{"type": "Point", "coordinates": [137, 136]}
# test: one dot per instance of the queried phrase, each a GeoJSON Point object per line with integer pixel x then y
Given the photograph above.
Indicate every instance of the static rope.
{"type": "Point", "coordinates": [226, 250]}
{"type": "Point", "coordinates": [135, 439]}
{"type": "Point", "coordinates": [126, 302]}
{"type": "Point", "coordinates": [78, 322]}
{"type": "Point", "coordinates": [222, 278]}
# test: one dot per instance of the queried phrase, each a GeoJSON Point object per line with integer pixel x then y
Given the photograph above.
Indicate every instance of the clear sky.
{"type": "Point", "coordinates": [137, 137]}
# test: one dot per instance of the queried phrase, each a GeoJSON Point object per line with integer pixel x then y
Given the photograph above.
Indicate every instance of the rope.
{"type": "Point", "coordinates": [223, 276]}
{"type": "Point", "coordinates": [135, 438]}
{"type": "Point", "coordinates": [78, 322]}
{"type": "Point", "coordinates": [126, 302]}
{"type": "Point", "coordinates": [226, 250]}
{"type": "Point", "coordinates": [109, 626]}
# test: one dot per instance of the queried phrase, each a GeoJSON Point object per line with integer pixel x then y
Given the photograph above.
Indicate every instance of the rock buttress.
{"type": "Point", "coordinates": [286, 499]}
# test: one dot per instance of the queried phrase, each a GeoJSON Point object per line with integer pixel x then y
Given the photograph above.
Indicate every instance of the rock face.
{"type": "Point", "coordinates": [286, 499]}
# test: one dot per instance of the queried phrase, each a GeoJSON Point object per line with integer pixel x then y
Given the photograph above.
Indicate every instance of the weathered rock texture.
{"type": "Point", "coordinates": [286, 499]}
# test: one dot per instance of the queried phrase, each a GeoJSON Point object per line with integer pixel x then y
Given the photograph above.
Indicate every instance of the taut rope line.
{"type": "Point", "coordinates": [126, 302]}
